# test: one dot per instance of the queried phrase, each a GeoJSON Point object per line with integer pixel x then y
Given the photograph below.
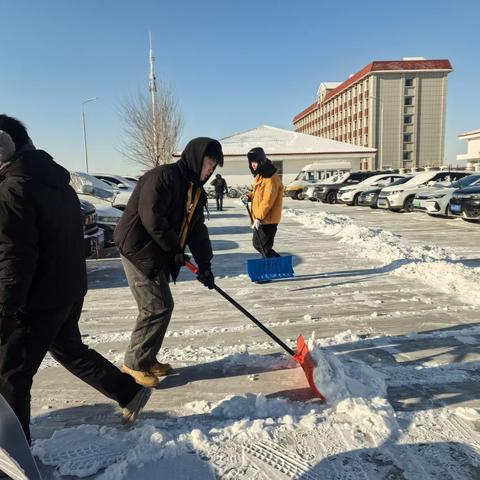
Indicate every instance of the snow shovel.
{"type": "Point", "coordinates": [302, 355]}
{"type": "Point", "coordinates": [267, 269]}
{"type": "Point", "coordinates": [16, 459]}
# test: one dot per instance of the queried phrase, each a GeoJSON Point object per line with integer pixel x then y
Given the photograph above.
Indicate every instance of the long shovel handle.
{"type": "Point", "coordinates": [256, 232]}
{"type": "Point", "coordinates": [193, 268]}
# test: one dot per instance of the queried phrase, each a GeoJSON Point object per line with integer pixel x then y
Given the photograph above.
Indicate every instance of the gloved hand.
{"type": "Point", "coordinates": [244, 199]}
{"type": "Point", "coordinates": [256, 224]}
{"type": "Point", "coordinates": [180, 259]}
{"type": "Point", "coordinates": [206, 277]}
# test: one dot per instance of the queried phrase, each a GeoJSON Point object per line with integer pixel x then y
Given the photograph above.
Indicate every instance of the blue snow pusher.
{"type": "Point", "coordinates": [266, 269]}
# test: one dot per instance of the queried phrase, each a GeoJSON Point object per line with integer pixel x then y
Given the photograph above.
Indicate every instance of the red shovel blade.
{"type": "Point", "coordinates": [305, 360]}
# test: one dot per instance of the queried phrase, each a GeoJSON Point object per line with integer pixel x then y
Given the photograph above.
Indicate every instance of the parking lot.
{"type": "Point", "coordinates": [404, 302]}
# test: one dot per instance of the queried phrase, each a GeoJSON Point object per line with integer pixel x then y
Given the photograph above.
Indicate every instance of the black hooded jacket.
{"type": "Point", "coordinates": [148, 232]}
{"type": "Point", "coordinates": [42, 256]}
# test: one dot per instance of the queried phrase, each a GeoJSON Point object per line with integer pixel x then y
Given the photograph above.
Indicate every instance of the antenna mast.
{"type": "Point", "coordinates": [153, 94]}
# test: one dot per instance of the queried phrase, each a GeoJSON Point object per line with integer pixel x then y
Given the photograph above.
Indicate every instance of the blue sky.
{"type": "Point", "coordinates": [233, 65]}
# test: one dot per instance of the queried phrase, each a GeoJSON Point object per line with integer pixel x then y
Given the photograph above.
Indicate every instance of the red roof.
{"type": "Point", "coordinates": [308, 110]}
{"type": "Point", "coordinates": [381, 66]}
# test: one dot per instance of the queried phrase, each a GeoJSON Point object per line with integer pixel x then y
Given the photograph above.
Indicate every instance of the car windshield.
{"type": "Point", "coordinates": [372, 180]}
{"type": "Point", "coordinates": [467, 181]}
{"type": "Point", "coordinates": [341, 178]}
{"type": "Point", "coordinates": [423, 177]}
{"type": "Point", "coordinates": [99, 188]}
{"type": "Point", "coordinates": [114, 182]}
{"type": "Point", "coordinates": [401, 180]}
{"type": "Point", "coordinates": [328, 180]}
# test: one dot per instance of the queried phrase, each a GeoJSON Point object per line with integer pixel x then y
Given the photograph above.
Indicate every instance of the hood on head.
{"type": "Point", "coordinates": [39, 165]}
{"type": "Point", "coordinates": [192, 157]}
{"type": "Point", "coordinates": [265, 167]}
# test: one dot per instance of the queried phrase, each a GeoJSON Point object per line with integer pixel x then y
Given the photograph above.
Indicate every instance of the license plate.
{"type": "Point", "coordinates": [455, 208]}
{"type": "Point", "coordinates": [381, 202]}
{"type": "Point", "coordinates": [416, 203]}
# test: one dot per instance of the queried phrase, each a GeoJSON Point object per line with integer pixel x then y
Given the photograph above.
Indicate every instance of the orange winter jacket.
{"type": "Point", "coordinates": [267, 199]}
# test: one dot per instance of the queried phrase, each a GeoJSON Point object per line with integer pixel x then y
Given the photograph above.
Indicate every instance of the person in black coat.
{"type": "Point", "coordinates": [164, 215]}
{"type": "Point", "coordinates": [43, 279]}
{"type": "Point", "coordinates": [221, 189]}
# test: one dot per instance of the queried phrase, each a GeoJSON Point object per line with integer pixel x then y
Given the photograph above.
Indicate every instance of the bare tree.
{"type": "Point", "coordinates": [142, 137]}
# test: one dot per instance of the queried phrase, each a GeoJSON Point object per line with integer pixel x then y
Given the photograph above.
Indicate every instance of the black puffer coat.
{"type": "Point", "coordinates": [148, 232]}
{"type": "Point", "coordinates": [42, 256]}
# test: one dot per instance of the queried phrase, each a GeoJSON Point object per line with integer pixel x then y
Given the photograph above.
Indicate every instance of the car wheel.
{"type": "Point", "coordinates": [331, 197]}
{"type": "Point", "coordinates": [408, 204]}
{"type": "Point", "coordinates": [298, 195]}
{"type": "Point", "coordinates": [355, 199]}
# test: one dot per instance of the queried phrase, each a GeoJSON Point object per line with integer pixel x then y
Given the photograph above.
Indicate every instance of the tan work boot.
{"type": "Point", "coordinates": [142, 378]}
{"type": "Point", "coordinates": [160, 369]}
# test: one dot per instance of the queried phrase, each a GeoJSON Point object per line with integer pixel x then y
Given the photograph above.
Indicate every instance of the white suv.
{"type": "Point", "coordinates": [351, 193]}
{"type": "Point", "coordinates": [436, 200]}
{"type": "Point", "coordinates": [400, 197]}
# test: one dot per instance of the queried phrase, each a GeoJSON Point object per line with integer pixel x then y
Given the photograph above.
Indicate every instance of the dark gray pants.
{"type": "Point", "coordinates": [219, 199]}
{"type": "Point", "coordinates": [155, 307]}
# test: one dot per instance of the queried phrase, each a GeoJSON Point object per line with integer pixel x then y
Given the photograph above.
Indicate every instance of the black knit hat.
{"type": "Point", "coordinates": [256, 154]}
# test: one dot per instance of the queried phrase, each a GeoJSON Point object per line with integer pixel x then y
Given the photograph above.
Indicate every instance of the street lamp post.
{"type": "Point", "coordinates": [85, 130]}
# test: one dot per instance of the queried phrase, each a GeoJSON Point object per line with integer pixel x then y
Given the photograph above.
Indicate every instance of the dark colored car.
{"type": "Point", "coordinates": [466, 203]}
{"type": "Point", "coordinates": [93, 236]}
{"type": "Point", "coordinates": [327, 192]}
{"type": "Point", "coordinates": [369, 198]}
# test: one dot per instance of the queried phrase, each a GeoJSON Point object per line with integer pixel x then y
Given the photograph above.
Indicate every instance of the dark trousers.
{"type": "Point", "coordinates": [155, 307]}
{"type": "Point", "coordinates": [263, 242]}
{"type": "Point", "coordinates": [219, 199]}
{"type": "Point", "coordinates": [55, 331]}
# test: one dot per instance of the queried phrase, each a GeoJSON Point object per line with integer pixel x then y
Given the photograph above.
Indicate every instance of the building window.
{"type": "Point", "coordinates": [407, 137]}
{"type": "Point", "coordinates": [407, 119]}
{"type": "Point", "coordinates": [408, 100]}
{"type": "Point", "coordinates": [409, 82]}
{"type": "Point", "coordinates": [407, 155]}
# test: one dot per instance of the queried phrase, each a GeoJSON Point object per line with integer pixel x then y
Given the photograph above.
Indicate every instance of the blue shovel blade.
{"type": "Point", "coordinates": [270, 268]}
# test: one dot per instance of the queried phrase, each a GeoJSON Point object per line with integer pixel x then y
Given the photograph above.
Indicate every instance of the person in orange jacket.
{"type": "Point", "coordinates": [267, 201]}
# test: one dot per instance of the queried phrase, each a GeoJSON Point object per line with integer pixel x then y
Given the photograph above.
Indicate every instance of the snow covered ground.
{"type": "Point", "coordinates": [390, 304]}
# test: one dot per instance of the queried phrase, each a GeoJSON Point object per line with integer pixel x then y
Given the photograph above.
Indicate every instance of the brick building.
{"type": "Point", "coordinates": [397, 107]}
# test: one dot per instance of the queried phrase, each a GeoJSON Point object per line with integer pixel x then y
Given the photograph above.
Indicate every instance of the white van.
{"type": "Point", "coordinates": [314, 173]}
